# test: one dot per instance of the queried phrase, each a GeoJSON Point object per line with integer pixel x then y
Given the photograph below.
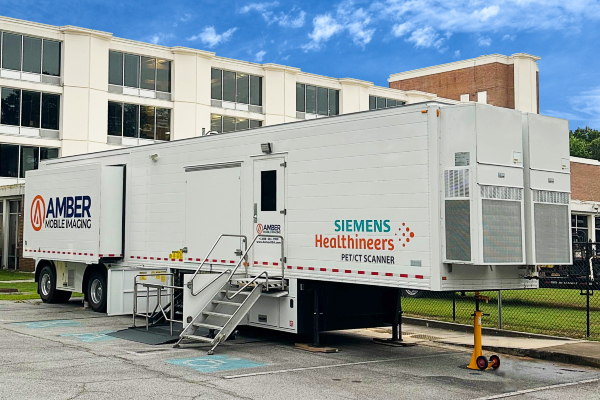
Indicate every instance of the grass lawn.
{"type": "Point", "coordinates": [6, 275]}
{"type": "Point", "coordinates": [26, 291]}
{"type": "Point", "coordinates": [558, 312]}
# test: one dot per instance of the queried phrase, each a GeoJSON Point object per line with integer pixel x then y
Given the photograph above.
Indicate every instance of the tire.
{"type": "Point", "coordinates": [97, 291]}
{"type": "Point", "coordinates": [47, 287]}
{"type": "Point", "coordinates": [482, 363]}
{"type": "Point", "coordinates": [495, 361]}
{"type": "Point", "coordinates": [412, 293]}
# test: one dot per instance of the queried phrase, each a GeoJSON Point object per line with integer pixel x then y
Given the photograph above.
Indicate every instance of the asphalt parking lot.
{"type": "Point", "coordinates": [65, 352]}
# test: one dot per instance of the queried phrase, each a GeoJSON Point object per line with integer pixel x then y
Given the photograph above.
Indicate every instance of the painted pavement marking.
{"type": "Point", "coordinates": [49, 324]}
{"type": "Point", "coordinates": [538, 389]}
{"type": "Point", "coordinates": [215, 363]}
{"type": "Point", "coordinates": [90, 337]}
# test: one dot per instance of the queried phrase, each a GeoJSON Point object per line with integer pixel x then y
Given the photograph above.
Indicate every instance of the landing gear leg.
{"type": "Point", "coordinates": [396, 339]}
{"type": "Point", "coordinates": [478, 360]}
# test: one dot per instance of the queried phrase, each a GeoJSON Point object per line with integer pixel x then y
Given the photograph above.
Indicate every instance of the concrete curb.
{"type": "Point", "coordinates": [452, 326]}
{"type": "Point", "coordinates": [540, 354]}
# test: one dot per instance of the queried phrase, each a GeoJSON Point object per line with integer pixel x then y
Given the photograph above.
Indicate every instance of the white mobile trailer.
{"type": "Point", "coordinates": [426, 197]}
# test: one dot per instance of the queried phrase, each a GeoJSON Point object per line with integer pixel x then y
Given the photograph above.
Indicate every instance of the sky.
{"type": "Point", "coordinates": [366, 40]}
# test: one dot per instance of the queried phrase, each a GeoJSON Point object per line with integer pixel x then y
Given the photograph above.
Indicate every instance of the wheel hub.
{"type": "Point", "coordinates": [96, 291]}
{"type": "Point", "coordinates": [46, 284]}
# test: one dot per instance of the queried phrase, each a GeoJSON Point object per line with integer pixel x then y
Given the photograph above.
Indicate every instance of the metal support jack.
{"type": "Point", "coordinates": [396, 339]}
{"type": "Point", "coordinates": [478, 360]}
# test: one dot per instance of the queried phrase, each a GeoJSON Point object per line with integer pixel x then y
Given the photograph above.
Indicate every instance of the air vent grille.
{"type": "Point", "coordinates": [546, 196]}
{"type": "Point", "coordinates": [456, 183]}
{"type": "Point", "coordinates": [501, 193]}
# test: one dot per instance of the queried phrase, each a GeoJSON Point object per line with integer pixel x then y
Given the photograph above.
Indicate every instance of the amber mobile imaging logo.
{"type": "Point", "coordinates": [259, 229]}
{"type": "Point", "coordinates": [38, 212]}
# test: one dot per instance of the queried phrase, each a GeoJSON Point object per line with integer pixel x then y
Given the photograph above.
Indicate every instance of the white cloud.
{"type": "Point", "coordinates": [258, 57]}
{"type": "Point", "coordinates": [211, 38]}
{"type": "Point", "coordinates": [355, 21]}
{"type": "Point", "coordinates": [484, 41]}
{"type": "Point", "coordinates": [401, 29]}
{"type": "Point", "coordinates": [486, 13]}
{"type": "Point", "coordinates": [509, 37]}
{"type": "Point", "coordinates": [457, 54]}
{"type": "Point", "coordinates": [260, 7]}
{"type": "Point", "coordinates": [186, 17]}
{"type": "Point", "coordinates": [159, 38]}
{"type": "Point", "coordinates": [289, 21]}
{"type": "Point", "coordinates": [425, 38]}
{"type": "Point", "coordinates": [584, 108]}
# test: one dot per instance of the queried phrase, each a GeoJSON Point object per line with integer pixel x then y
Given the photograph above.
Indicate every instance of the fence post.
{"type": "Point", "coordinates": [453, 306]}
{"type": "Point", "coordinates": [587, 307]}
{"type": "Point", "coordinates": [499, 309]}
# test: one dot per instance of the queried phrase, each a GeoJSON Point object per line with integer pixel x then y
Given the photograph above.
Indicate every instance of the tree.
{"type": "Point", "coordinates": [585, 143]}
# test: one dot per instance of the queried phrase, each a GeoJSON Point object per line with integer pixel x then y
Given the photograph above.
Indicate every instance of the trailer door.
{"type": "Point", "coordinates": [212, 208]}
{"type": "Point", "coordinates": [269, 210]}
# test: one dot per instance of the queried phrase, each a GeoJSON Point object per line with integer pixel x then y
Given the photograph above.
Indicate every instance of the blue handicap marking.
{"type": "Point", "coordinates": [215, 363]}
{"type": "Point", "coordinates": [49, 324]}
{"type": "Point", "coordinates": [90, 337]}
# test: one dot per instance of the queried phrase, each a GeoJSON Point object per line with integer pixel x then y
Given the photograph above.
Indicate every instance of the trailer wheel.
{"type": "Point", "coordinates": [47, 287]}
{"type": "Point", "coordinates": [495, 361]}
{"type": "Point", "coordinates": [482, 363]}
{"type": "Point", "coordinates": [412, 293]}
{"type": "Point", "coordinates": [97, 291]}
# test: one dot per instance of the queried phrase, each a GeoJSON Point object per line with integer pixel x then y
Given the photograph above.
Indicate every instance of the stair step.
{"type": "Point", "coordinates": [199, 338]}
{"type": "Point", "coordinates": [216, 314]}
{"type": "Point", "coordinates": [233, 291]}
{"type": "Point", "coordinates": [209, 326]}
{"type": "Point", "coordinates": [227, 303]}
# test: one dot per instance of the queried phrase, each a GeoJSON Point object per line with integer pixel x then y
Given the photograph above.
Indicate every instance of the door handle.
{"type": "Point", "coordinates": [255, 212]}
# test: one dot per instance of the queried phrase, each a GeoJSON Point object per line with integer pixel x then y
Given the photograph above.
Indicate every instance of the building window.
{"type": "Point", "coordinates": [376, 103]}
{"type": "Point", "coordinates": [317, 100]}
{"type": "Point", "coordinates": [15, 160]}
{"type": "Point", "coordinates": [30, 54]}
{"type": "Point", "coordinates": [235, 87]}
{"type": "Point", "coordinates": [29, 109]}
{"type": "Point", "coordinates": [139, 72]}
{"type": "Point", "coordinates": [579, 227]}
{"type": "Point", "coordinates": [136, 121]}
{"type": "Point", "coordinates": [225, 124]}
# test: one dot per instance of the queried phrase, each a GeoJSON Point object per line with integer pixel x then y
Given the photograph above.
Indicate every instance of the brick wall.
{"type": "Point", "coordinates": [585, 182]}
{"type": "Point", "coordinates": [25, 264]}
{"type": "Point", "coordinates": [495, 78]}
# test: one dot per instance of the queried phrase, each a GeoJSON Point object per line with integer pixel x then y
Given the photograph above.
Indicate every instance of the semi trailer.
{"type": "Point", "coordinates": [329, 217]}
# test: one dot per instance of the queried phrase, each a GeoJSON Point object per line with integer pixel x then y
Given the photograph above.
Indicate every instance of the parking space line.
{"type": "Point", "coordinates": [282, 371]}
{"type": "Point", "coordinates": [539, 389]}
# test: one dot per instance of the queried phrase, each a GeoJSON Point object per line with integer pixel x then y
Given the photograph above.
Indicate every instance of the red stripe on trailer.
{"type": "Point", "coordinates": [403, 275]}
{"type": "Point", "coordinates": [419, 276]}
{"type": "Point", "coordinates": [389, 274]}
{"type": "Point", "coordinates": [190, 259]}
{"type": "Point", "coordinates": [91, 254]}
{"type": "Point", "coordinates": [214, 260]}
{"type": "Point", "coordinates": [198, 259]}
{"type": "Point", "coordinates": [299, 267]}
{"type": "Point", "coordinates": [138, 257]}
{"type": "Point", "coordinates": [231, 262]}
{"type": "Point", "coordinates": [275, 263]}
{"type": "Point", "coordinates": [255, 262]}
{"type": "Point", "coordinates": [158, 258]}
{"type": "Point", "coordinates": [311, 269]}
{"type": "Point", "coordinates": [99, 255]}
{"type": "Point", "coordinates": [181, 259]}
{"type": "Point", "coordinates": [347, 271]}
{"type": "Point", "coordinates": [374, 273]}
{"type": "Point", "coordinates": [110, 255]}
{"type": "Point", "coordinates": [323, 269]}
{"type": "Point", "coordinates": [145, 258]}
{"type": "Point", "coordinates": [265, 263]}
{"type": "Point", "coordinates": [223, 261]}
{"type": "Point", "coordinates": [361, 272]}
{"type": "Point", "coordinates": [335, 270]}
{"type": "Point", "coordinates": [65, 253]}
{"type": "Point", "coordinates": [289, 267]}
{"type": "Point", "coordinates": [85, 254]}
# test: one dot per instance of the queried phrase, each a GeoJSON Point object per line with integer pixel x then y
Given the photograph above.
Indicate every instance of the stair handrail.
{"type": "Point", "coordinates": [265, 273]}
{"type": "Point", "coordinates": [244, 239]}
{"type": "Point", "coordinates": [242, 258]}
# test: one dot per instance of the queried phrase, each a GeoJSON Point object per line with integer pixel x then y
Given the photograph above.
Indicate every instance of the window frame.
{"type": "Point", "coordinates": [250, 76]}
{"type": "Point", "coordinates": [40, 107]}
{"type": "Point", "coordinates": [22, 55]}
{"type": "Point", "coordinates": [139, 121]}
{"type": "Point", "coordinates": [19, 158]}
{"type": "Point", "coordinates": [250, 122]}
{"type": "Point", "coordinates": [139, 71]}
{"type": "Point", "coordinates": [399, 103]}
{"type": "Point", "coordinates": [329, 91]}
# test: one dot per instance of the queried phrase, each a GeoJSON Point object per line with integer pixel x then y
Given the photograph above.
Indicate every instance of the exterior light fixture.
{"type": "Point", "coordinates": [210, 133]}
{"type": "Point", "coordinates": [154, 157]}
{"type": "Point", "coordinates": [266, 148]}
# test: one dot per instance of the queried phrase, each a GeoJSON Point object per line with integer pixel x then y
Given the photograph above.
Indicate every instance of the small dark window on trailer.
{"type": "Point", "coordinates": [268, 190]}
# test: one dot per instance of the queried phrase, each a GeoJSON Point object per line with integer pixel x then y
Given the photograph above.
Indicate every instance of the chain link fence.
{"type": "Point", "coordinates": [567, 303]}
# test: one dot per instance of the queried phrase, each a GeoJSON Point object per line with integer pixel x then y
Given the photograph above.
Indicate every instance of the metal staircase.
{"type": "Point", "coordinates": [227, 298]}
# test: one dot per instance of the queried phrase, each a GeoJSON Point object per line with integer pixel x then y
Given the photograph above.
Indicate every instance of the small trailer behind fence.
{"type": "Point", "coordinates": [329, 217]}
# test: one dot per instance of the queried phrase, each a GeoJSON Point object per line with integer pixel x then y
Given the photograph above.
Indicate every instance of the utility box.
{"type": "Point", "coordinates": [74, 213]}
{"type": "Point", "coordinates": [547, 190]}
